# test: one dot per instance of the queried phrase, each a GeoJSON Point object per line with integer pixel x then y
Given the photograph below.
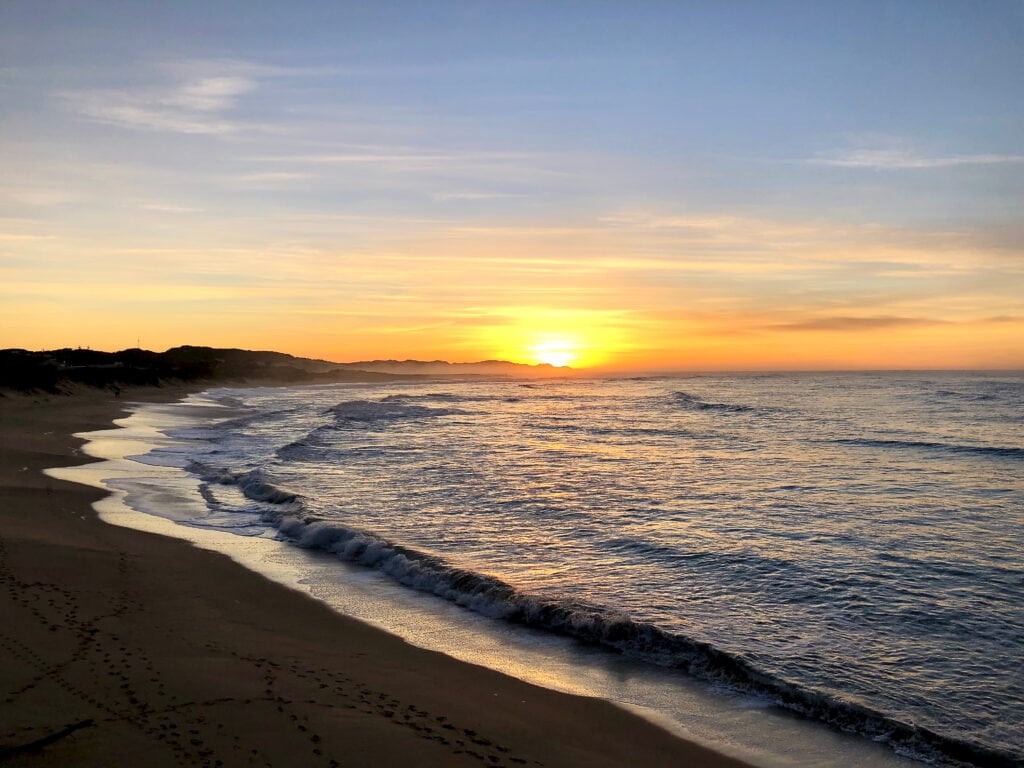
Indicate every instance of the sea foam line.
{"type": "Point", "coordinates": [487, 595]}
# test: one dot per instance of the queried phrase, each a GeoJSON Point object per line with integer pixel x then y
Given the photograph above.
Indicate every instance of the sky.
{"type": "Point", "coordinates": [642, 185]}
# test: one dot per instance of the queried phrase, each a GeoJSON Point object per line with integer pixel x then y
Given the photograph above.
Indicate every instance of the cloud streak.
{"type": "Point", "coordinates": [148, 111]}
{"type": "Point", "coordinates": [200, 99]}
{"type": "Point", "coordinates": [854, 324]}
{"type": "Point", "coordinates": [899, 159]}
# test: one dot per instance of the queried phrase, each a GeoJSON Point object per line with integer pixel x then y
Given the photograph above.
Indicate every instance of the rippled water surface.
{"type": "Point", "coordinates": [847, 544]}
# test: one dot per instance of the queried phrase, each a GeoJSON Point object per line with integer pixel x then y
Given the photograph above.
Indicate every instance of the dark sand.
{"type": "Point", "coordinates": [122, 648]}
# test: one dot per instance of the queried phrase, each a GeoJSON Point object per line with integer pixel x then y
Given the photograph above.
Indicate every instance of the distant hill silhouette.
{"type": "Point", "coordinates": [51, 370]}
{"type": "Point", "coordinates": [443, 368]}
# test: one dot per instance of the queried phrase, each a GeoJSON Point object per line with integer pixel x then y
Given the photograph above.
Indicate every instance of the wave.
{"type": "Point", "coordinates": [385, 410]}
{"type": "Point", "coordinates": [215, 429]}
{"type": "Point", "coordinates": [449, 397]}
{"type": "Point", "coordinates": [372, 414]}
{"type": "Point", "coordinates": [306, 448]}
{"type": "Point", "coordinates": [437, 397]}
{"type": "Point", "coordinates": [971, 397]}
{"type": "Point", "coordinates": [979, 450]}
{"type": "Point", "coordinates": [694, 403]}
{"type": "Point", "coordinates": [228, 401]}
{"type": "Point", "coordinates": [287, 512]}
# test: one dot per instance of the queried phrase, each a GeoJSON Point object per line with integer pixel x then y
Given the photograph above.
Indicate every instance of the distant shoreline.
{"type": "Point", "coordinates": [61, 370]}
{"type": "Point", "coordinates": [55, 370]}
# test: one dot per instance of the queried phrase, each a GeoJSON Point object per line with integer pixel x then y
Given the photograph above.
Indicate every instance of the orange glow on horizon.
{"type": "Point", "coordinates": [582, 340]}
{"type": "Point", "coordinates": [579, 339]}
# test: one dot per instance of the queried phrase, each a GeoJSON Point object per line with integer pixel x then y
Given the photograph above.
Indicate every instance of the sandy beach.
{"type": "Point", "coordinates": [124, 648]}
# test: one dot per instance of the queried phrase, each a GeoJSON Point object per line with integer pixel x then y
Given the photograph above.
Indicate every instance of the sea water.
{"type": "Point", "coordinates": [843, 549]}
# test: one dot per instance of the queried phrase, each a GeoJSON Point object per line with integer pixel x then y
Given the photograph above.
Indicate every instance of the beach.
{"type": "Point", "coordinates": [125, 648]}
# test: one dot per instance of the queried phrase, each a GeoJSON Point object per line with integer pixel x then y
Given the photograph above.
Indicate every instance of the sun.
{"type": "Point", "coordinates": [558, 351]}
{"type": "Point", "coordinates": [567, 338]}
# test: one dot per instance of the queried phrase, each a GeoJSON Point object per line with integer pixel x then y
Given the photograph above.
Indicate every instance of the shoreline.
{"type": "Point", "coordinates": [127, 646]}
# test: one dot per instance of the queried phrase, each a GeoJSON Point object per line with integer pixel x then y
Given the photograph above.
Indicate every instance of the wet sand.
{"type": "Point", "coordinates": [119, 647]}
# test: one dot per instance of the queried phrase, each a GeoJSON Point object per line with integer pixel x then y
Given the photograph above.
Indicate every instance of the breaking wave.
{"type": "Point", "coordinates": [356, 414]}
{"type": "Point", "coordinates": [288, 513]}
{"type": "Point", "coordinates": [693, 403]}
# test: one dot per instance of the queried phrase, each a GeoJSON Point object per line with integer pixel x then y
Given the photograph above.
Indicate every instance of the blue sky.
{"type": "Point", "coordinates": [685, 179]}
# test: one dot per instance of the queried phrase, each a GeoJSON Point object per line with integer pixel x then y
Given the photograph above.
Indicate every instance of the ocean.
{"type": "Point", "coordinates": [844, 551]}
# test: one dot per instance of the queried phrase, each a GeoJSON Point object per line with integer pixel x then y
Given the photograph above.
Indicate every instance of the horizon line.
{"type": "Point", "coordinates": [566, 369]}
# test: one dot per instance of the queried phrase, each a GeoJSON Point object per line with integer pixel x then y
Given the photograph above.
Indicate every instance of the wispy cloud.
{"type": "Point", "coordinates": [481, 167]}
{"type": "Point", "coordinates": [194, 68]}
{"type": "Point", "coordinates": [168, 208]}
{"type": "Point", "coordinates": [709, 225]}
{"type": "Point", "coordinates": [35, 196]}
{"type": "Point", "coordinates": [210, 94]}
{"type": "Point", "coordinates": [372, 155]}
{"type": "Point", "coordinates": [855, 323]}
{"type": "Point", "coordinates": [474, 196]}
{"type": "Point", "coordinates": [200, 99]}
{"type": "Point", "coordinates": [12, 236]}
{"type": "Point", "coordinates": [154, 111]}
{"type": "Point", "coordinates": [269, 180]}
{"type": "Point", "coordinates": [1004, 319]}
{"type": "Point", "coordinates": [902, 159]}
